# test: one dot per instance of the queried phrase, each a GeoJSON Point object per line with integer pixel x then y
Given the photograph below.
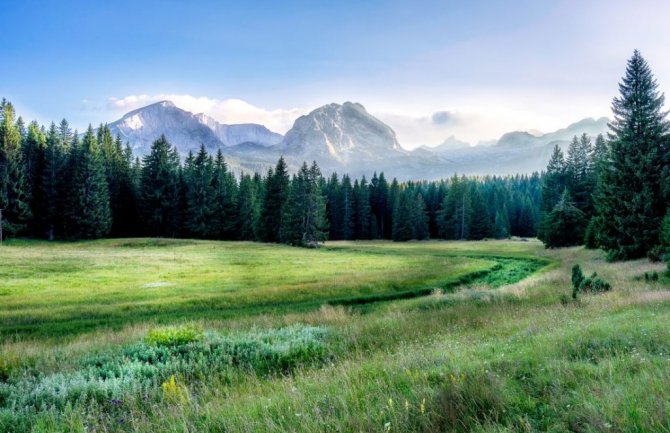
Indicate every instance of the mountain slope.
{"type": "Point", "coordinates": [185, 130]}
{"type": "Point", "coordinates": [344, 138]}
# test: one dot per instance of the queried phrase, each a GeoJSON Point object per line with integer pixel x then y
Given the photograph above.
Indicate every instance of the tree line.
{"type": "Point", "coordinates": [58, 184]}
{"type": "Point", "coordinates": [614, 194]}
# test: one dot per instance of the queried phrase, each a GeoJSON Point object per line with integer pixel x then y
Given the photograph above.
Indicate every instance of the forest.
{"type": "Point", "coordinates": [612, 193]}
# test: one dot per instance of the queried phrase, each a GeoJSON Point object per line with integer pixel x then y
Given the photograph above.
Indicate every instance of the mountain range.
{"type": "Point", "coordinates": [343, 138]}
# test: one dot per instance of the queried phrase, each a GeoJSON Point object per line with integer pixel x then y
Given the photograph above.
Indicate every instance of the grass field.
{"type": "Point", "coordinates": [190, 336]}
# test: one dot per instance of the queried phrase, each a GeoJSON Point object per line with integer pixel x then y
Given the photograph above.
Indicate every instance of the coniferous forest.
{"type": "Point", "coordinates": [58, 184]}
{"type": "Point", "coordinates": [611, 193]}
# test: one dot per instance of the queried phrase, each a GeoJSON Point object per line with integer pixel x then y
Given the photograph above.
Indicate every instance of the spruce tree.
{"type": "Point", "coordinates": [403, 213]}
{"type": "Point", "coordinates": [629, 199]}
{"type": "Point", "coordinates": [275, 196]}
{"type": "Point", "coordinates": [225, 200]}
{"type": "Point", "coordinates": [87, 211]}
{"type": "Point", "coordinates": [248, 209]}
{"type": "Point", "coordinates": [200, 200]}
{"type": "Point", "coordinates": [555, 182]}
{"type": "Point", "coordinates": [14, 188]}
{"type": "Point", "coordinates": [480, 223]}
{"type": "Point", "coordinates": [52, 184]}
{"type": "Point", "coordinates": [159, 189]}
{"type": "Point", "coordinates": [564, 224]}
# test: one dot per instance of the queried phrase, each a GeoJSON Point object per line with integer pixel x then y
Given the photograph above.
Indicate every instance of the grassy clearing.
{"type": "Point", "coordinates": [501, 353]}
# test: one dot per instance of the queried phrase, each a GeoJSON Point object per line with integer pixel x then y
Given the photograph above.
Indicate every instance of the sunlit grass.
{"type": "Point", "coordinates": [499, 353]}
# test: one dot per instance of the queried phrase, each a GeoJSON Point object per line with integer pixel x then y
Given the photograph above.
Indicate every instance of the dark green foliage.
{"type": "Point", "coordinates": [630, 195]}
{"type": "Point", "coordinates": [14, 187]}
{"type": "Point", "coordinates": [594, 284]}
{"type": "Point", "coordinates": [577, 275]}
{"type": "Point", "coordinates": [87, 211]}
{"type": "Point", "coordinates": [200, 208]}
{"type": "Point", "coordinates": [565, 225]}
{"type": "Point", "coordinates": [225, 195]}
{"type": "Point", "coordinates": [248, 208]}
{"type": "Point", "coordinates": [276, 194]}
{"type": "Point", "coordinates": [55, 176]}
{"type": "Point", "coordinates": [664, 237]}
{"type": "Point", "coordinates": [651, 277]}
{"type": "Point", "coordinates": [591, 234]}
{"type": "Point", "coordinates": [501, 226]}
{"type": "Point", "coordinates": [303, 220]}
{"type": "Point", "coordinates": [159, 191]}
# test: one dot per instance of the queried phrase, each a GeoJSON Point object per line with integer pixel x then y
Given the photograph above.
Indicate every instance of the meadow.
{"type": "Point", "coordinates": [148, 335]}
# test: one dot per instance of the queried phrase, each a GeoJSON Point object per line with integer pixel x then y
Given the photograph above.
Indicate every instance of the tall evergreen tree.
{"type": "Point", "coordinates": [564, 224]}
{"type": "Point", "coordinates": [14, 188]}
{"type": "Point", "coordinates": [248, 209]}
{"type": "Point", "coordinates": [629, 199]}
{"type": "Point", "coordinates": [159, 189]}
{"type": "Point", "coordinates": [276, 194]}
{"type": "Point", "coordinates": [555, 182]}
{"type": "Point", "coordinates": [88, 211]}
{"type": "Point", "coordinates": [200, 200]}
{"type": "Point", "coordinates": [225, 200]}
{"type": "Point", "coordinates": [303, 221]}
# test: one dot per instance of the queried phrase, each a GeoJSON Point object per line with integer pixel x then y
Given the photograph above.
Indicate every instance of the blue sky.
{"type": "Point", "coordinates": [485, 66]}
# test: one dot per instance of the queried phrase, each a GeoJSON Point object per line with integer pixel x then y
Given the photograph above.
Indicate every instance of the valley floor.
{"type": "Point", "coordinates": [146, 335]}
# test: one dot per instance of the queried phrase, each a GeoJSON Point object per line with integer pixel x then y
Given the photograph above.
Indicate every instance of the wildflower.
{"type": "Point", "coordinates": [406, 405]}
{"type": "Point", "coordinates": [423, 406]}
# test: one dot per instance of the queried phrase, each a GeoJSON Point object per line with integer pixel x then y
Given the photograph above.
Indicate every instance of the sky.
{"type": "Point", "coordinates": [430, 69]}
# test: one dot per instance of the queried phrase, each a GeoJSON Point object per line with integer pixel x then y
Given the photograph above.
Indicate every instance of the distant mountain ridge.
{"type": "Point", "coordinates": [185, 130]}
{"type": "Point", "coordinates": [343, 138]}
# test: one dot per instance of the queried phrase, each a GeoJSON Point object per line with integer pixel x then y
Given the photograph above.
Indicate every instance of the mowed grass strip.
{"type": "Point", "coordinates": [58, 289]}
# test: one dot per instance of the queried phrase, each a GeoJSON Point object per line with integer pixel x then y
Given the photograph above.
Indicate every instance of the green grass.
{"type": "Point", "coordinates": [339, 339]}
{"type": "Point", "coordinates": [65, 289]}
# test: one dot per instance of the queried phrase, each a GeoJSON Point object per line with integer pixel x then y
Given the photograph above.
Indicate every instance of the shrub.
{"type": "Point", "coordinates": [651, 277]}
{"type": "Point", "coordinates": [174, 336]}
{"type": "Point", "coordinates": [577, 278]}
{"type": "Point", "coordinates": [173, 392]}
{"type": "Point", "coordinates": [594, 284]}
{"type": "Point", "coordinates": [656, 254]}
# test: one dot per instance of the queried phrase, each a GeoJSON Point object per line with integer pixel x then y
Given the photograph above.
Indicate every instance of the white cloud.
{"type": "Point", "coordinates": [227, 111]}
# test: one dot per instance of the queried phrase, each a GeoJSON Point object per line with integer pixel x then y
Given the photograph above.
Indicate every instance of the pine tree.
{"type": "Point", "coordinates": [564, 224]}
{"type": "Point", "coordinates": [501, 229]}
{"type": "Point", "coordinates": [248, 209]}
{"type": "Point", "coordinates": [347, 208]}
{"type": "Point", "coordinates": [555, 182]}
{"type": "Point", "coordinates": [14, 188]}
{"type": "Point", "coordinates": [200, 200]}
{"type": "Point", "coordinates": [362, 211]}
{"type": "Point", "coordinates": [276, 194]}
{"type": "Point", "coordinates": [225, 200]}
{"type": "Point", "coordinates": [33, 149]}
{"type": "Point", "coordinates": [303, 219]}
{"type": "Point", "coordinates": [420, 218]}
{"type": "Point", "coordinates": [480, 224]}
{"type": "Point", "coordinates": [403, 212]}
{"type": "Point", "coordinates": [456, 210]}
{"type": "Point", "coordinates": [87, 210]}
{"type": "Point", "coordinates": [52, 184]}
{"type": "Point", "coordinates": [579, 169]}
{"type": "Point", "coordinates": [629, 199]}
{"type": "Point", "coordinates": [159, 189]}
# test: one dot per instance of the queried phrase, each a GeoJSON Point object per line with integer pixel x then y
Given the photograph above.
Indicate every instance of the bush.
{"type": "Point", "coordinates": [577, 278]}
{"type": "Point", "coordinates": [656, 254]}
{"type": "Point", "coordinates": [174, 336]}
{"type": "Point", "coordinates": [594, 284]}
{"type": "Point", "coordinates": [651, 277]}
